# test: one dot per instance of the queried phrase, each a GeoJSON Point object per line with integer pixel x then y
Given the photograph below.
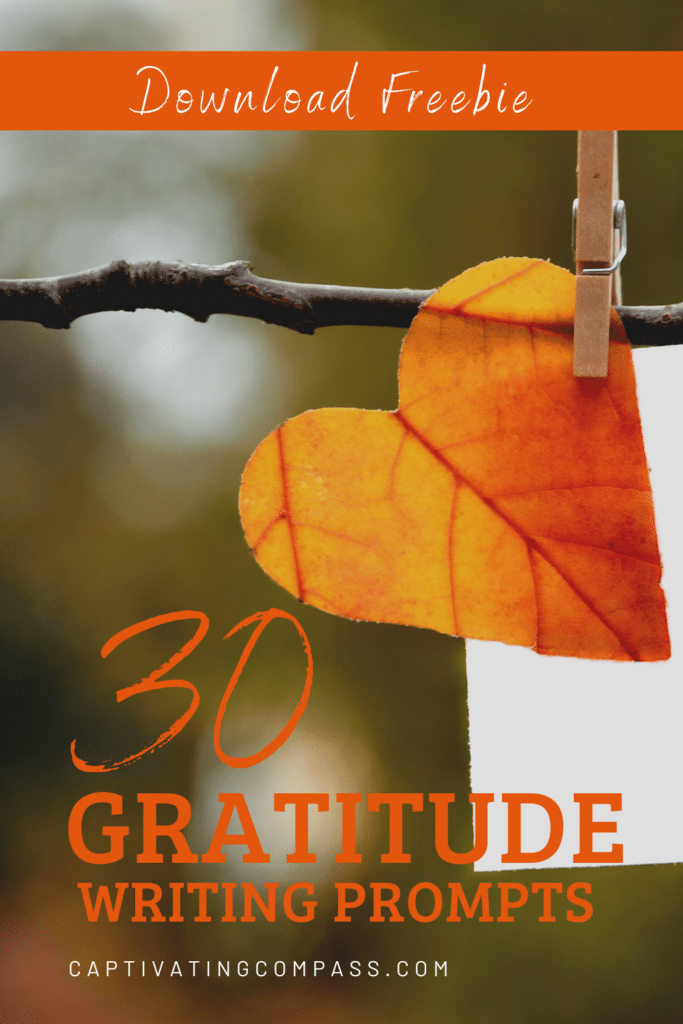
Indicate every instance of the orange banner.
{"type": "Point", "coordinates": [347, 91]}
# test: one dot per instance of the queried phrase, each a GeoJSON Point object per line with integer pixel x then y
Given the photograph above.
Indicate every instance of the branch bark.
{"type": "Point", "coordinates": [200, 291]}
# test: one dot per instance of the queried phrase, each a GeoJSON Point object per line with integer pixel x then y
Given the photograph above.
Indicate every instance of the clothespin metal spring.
{"type": "Point", "coordinates": [619, 226]}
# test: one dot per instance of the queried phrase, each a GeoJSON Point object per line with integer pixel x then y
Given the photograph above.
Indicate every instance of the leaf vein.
{"type": "Point", "coordinates": [597, 547]}
{"type": "Point", "coordinates": [288, 516]}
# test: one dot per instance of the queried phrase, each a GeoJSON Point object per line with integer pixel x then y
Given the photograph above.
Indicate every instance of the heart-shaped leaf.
{"type": "Point", "coordinates": [505, 499]}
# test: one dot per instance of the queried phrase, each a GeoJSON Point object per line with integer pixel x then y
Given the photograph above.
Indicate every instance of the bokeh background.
{"type": "Point", "coordinates": [122, 442]}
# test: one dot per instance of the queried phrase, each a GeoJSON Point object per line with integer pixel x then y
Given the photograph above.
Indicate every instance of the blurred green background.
{"type": "Point", "coordinates": [122, 442]}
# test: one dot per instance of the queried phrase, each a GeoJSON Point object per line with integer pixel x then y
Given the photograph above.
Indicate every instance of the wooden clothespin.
{"type": "Point", "coordinates": [599, 216]}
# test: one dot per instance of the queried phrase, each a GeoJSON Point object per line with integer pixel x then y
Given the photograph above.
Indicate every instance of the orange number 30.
{"type": "Point", "coordinates": [155, 682]}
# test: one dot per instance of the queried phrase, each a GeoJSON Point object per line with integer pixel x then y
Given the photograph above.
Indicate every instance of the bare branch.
{"type": "Point", "coordinates": [199, 291]}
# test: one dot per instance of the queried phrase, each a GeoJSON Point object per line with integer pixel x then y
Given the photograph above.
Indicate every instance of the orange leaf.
{"type": "Point", "coordinates": [505, 499]}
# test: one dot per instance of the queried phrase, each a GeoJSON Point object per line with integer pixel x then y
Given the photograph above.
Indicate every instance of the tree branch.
{"type": "Point", "coordinates": [199, 291]}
